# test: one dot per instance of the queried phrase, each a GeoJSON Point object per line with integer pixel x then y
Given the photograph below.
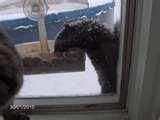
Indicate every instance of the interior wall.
{"type": "Point", "coordinates": [145, 76]}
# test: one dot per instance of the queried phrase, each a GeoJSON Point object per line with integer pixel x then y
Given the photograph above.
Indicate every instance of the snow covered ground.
{"type": "Point", "coordinates": [60, 84]}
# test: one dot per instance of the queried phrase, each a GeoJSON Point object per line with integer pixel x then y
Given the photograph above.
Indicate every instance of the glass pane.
{"type": "Point", "coordinates": [69, 47]}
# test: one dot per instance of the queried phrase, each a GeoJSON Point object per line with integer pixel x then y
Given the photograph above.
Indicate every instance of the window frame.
{"type": "Point", "coordinates": [94, 103]}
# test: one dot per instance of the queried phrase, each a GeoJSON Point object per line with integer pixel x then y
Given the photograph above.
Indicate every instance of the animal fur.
{"type": "Point", "coordinates": [11, 70]}
{"type": "Point", "coordinates": [101, 45]}
{"type": "Point", "coordinates": [11, 76]}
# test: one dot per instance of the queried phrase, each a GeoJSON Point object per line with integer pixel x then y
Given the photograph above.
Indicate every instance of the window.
{"type": "Point", "coordinates": [71, 79]}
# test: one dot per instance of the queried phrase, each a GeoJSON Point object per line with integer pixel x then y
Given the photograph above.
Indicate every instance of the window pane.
{"type": "Point", "coordinates": [76, 51]}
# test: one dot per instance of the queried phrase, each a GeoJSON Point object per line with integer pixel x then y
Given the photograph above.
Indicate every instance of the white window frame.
{"type": "Point", "coordinates": [144, 97]}
{"type": "Point", "coordinates": [92, 103]}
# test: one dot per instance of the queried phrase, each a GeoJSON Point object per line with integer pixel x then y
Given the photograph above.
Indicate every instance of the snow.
{"type": "Point", "coordinates": [93, 3]}
{"type": "Point", "coordinates": [23, 27]}
{"type": "Point", "coordinates": [98, 14]}
{"type": "Point", "coordinates": [65, 7]}
{"type": "Point", "coordinates": [62, 84]}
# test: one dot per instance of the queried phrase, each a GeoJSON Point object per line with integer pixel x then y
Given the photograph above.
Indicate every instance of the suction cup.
{"type": "Point", "coordinates": [32, 8]}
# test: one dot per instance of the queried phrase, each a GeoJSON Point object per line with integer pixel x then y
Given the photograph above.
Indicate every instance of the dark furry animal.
{"type": "Point", "coordinates": [100, 44]}
{"type": "Point", "coordinates": [11, 77]}
{"type": "Point", "coordinates": [11, 70]}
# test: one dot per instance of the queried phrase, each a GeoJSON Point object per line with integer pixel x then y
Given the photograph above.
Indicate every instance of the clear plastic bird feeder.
{"type": "Point", "coordinates": [36, 10]}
